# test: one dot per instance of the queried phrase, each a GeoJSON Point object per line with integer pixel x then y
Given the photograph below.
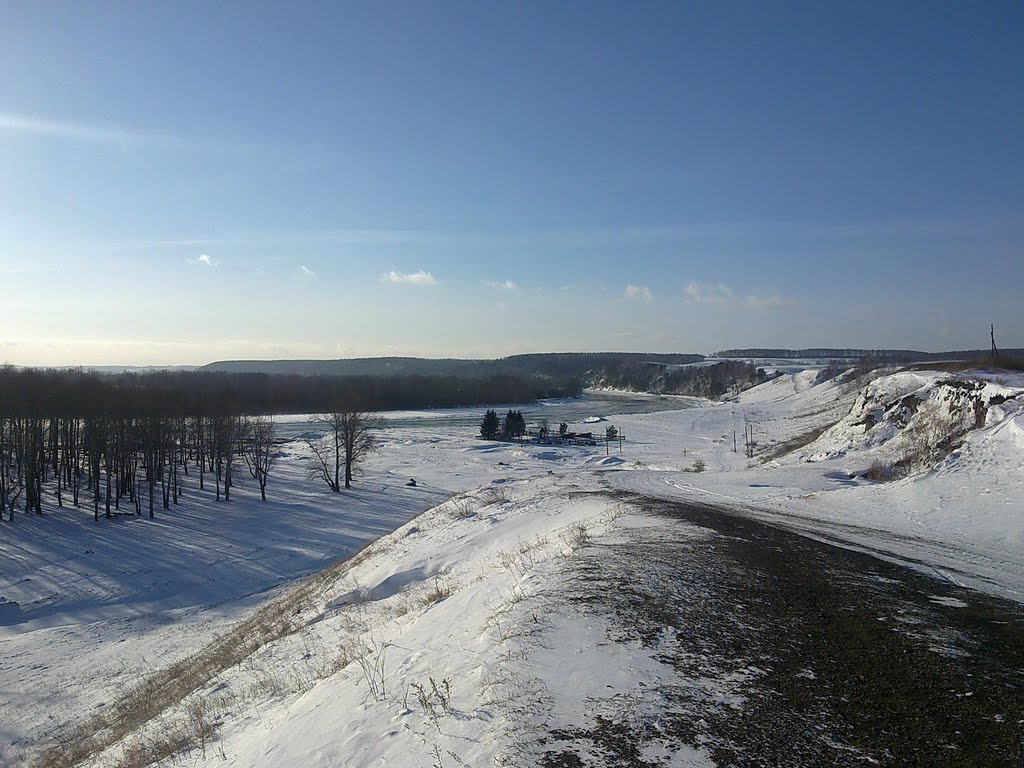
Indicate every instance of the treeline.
{"type": "Point", "coordinates": [35, 392]}
{"type": "Point", "coordinates": [710, 381]}
{"type": "Point", "coordinates": [128, 439]}
{"type": "Point", "coordinates": [583, 365]}
{"type": "Point", "coordinates": [112, 460]}
{"type": "Point", "coordinates": [875, 355]}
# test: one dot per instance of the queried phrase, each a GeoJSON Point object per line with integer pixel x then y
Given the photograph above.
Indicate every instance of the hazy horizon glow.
{"type": "Point", "coordinates": [189, 182]}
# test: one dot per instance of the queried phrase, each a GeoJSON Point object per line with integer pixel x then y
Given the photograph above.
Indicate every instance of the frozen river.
{"type": "Point", "coordinates": [574, 409]}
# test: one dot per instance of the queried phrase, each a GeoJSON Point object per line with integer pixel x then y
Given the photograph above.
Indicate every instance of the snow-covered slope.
{"type": "Point", "coordinates": [411, 657]}
{"type": "Point", "coordinates": [447, 641]}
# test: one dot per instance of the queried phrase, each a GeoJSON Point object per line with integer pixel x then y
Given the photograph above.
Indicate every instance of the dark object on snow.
{"type": "Point", "coordinates": [412, 482]}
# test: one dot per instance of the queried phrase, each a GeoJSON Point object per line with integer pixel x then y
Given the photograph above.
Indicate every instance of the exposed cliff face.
{"type": "Point", "coordinates": [710, 381]}
{"type": "Point", "coordinates": [911, 421]}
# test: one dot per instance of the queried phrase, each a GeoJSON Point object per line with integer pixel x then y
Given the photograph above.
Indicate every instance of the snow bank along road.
{"type": "Point", "coordinates": [562, 608]}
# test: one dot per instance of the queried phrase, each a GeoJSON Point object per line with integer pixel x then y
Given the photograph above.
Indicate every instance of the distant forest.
{"type": "Point", "coordinates": [36, 392]}
{"type": "Point", "coordinates": [632, 371]}
{"type": "Point", "coordinates": [886, 355]}
{"type": "Point", "coordinates": [554, 365]}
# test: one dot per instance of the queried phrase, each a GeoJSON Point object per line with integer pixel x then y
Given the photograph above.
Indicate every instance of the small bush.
{"type": "Point", "coordinates": [437, 593]}
{"type": "Point", "coordinates": [493, 496]}
{"type": "Point", "coordinates": [575, 535]}
{"type": "Point", "coordinates": [698, 466]}
{"type": "Point", "coordinates": [371, 661]}
{"type": "Point", "coordinates": [879, 471]}
{"type": "Point", "coordinates": [438, 700]}
{"type": "Point", "coordinates": [462, 508]}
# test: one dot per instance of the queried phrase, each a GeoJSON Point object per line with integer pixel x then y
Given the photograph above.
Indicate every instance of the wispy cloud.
{"type": "Point", "coordinates": [639, 293]}
{"type": "Point", "coordinates": [70, 129]}
{"type": "Point", "coordinates": [306, 271]}
{"type": "Point", "coordinates": [722, 295]}
{"type": "Point", "coordinates": [204, 260]}
{"type": "Point", "coordinates": [125, 138]}
{"type": "Point", "coordinates": [766, 302]}
{"type": "Point", "coordinates": [699, 293]}
{"type": "Point", "coordinates": [503, 285]}
{"type": "Point", "coordinates": [420, 277]}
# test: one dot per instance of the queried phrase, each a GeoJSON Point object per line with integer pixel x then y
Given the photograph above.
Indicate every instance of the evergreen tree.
{"type": "Point", "coordinates": [490, 426]}
{"type": "Point", "coordinates": [514, 426]}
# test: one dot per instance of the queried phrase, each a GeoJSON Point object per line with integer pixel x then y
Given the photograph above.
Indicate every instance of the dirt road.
{"type": "Point", "coordinates": [797, 653]}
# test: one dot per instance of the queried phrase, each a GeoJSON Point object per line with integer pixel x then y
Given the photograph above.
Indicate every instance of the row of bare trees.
{"type": "Point", "coordinates": [115, 461]}
{"type": "Point", "coordinates": [128, 441]}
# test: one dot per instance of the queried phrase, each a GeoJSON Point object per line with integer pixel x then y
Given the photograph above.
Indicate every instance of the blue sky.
{"type": "Point", "coordinates": [185, 182]}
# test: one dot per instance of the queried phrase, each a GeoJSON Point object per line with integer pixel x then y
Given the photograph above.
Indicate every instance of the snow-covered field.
{"type": "Point", "coordinates": [445, 642]}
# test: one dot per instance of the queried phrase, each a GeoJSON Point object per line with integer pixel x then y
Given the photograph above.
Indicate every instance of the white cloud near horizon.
{"type": "Point", "coordinates": [721, 295]}
{"type": "Point", "coordinates": [205, 261]}
{"type": "Point", "coordinates": [639, 292]}
{"type": "Point", "coordinates": [420, 277]}
{"type": "Point", "coordinates": [503, 285]}
{"type": "Point", "coordinates": [306, 271]}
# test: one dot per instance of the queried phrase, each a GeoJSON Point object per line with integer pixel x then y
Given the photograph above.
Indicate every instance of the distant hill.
{"type": "Point", "coordinates": [554, 365]}
{"type": "Point", "coordinates": [358, 366]}
{"type": "Point", "coordinates": [894, 355]}
{"type": "Point", "coordinates": [570, 371]}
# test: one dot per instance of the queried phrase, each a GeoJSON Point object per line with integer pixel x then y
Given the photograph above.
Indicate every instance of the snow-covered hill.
{"type": "Point", "coordinates": [215, 635]}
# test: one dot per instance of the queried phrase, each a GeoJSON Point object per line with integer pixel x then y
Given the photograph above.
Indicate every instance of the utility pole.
{"type": "Point", "coordinates": [992, 332]}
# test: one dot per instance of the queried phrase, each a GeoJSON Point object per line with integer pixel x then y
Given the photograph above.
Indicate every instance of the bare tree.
{"type": "Point", "coordinates": [223, 442]}
{"type": "Point", "coordinates": [325, 462]}
{"type": "Point", "coordinates": [359, 438]}
{"type": "Point", "coordinates": [350, 437]}
{"type": "Point", "coordinates": [11, 475]}
{"type": "Point", "coordinates": [150, 451]}
{"type": "Point", "coordinates": [258, 450]}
